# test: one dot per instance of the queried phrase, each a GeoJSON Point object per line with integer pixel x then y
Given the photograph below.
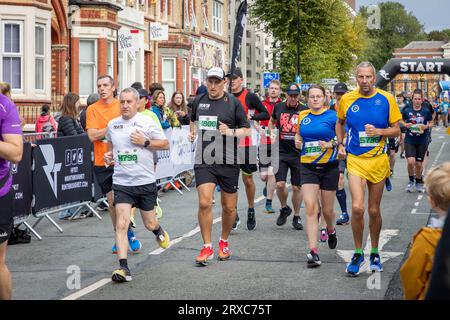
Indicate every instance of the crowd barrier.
{"type": "Point", "coordinates": [56, 173]}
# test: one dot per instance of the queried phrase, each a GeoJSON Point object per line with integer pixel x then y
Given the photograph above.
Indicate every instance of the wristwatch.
{"type": "Point", "coordinates": [146, 143]}
{"type": "Point", "coordinates": [334, 143]}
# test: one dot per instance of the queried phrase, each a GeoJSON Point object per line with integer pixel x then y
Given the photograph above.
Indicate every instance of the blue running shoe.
{"type": "Point", "coordinates": [343, 219]}
{"type": "Point", "coordinates": [355, 264]}
{"type": "Point", "coordinates": [218, 188]}
{"type": "Point", "coordinates": [388, 184]}
{"type": "Point", "coordinates": [135, 244]}
{"type": "Point", "coordinates": [268, 209]}
{"type": "Point", "coordinates": [375, 263]}
{"type": "Point", "coordinates": [114, 249]}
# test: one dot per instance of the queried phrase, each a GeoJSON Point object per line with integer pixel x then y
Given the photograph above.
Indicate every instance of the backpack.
{"type": "Point", "coordinates": [48, 127]}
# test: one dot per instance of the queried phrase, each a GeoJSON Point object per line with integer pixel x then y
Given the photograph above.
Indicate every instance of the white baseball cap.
{"type": "Point", "coordinates": [216, 72]}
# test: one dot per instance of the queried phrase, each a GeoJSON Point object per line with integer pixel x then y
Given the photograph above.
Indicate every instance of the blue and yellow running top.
{"type": "Point", "coordinates": [315, 127]}
{"type": "Point", "coordinates": [379, 110]}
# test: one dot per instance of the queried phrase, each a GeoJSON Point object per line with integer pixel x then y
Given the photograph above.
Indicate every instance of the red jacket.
{"type": "Point", "coordinates": [265, 123]}
{"type": "Point", "coordinates": [42, 120]}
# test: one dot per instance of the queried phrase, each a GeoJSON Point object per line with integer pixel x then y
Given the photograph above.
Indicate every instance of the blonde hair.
{"type": "Point", "coordinates": [438, 185]}
{"type": "Point", "coordinates": [5, 89]}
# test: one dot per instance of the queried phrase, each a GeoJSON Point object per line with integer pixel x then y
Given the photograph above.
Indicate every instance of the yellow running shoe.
{"type": "Point", "coordinates": [133, 222]}
{"type": "Point", "coordinates": [159, 212]}
{"type": "Point", "coordinates": [121, 275]}
{"type": "Point", "coordinates": [163, 240]}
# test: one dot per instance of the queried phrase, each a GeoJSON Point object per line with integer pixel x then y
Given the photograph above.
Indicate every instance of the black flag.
{"type": "Point", "coordinates": [238, 33]}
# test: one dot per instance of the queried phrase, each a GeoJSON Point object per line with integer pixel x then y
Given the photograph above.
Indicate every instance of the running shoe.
{"type": "Point", "coordinates": [269, 209]}
{"type": "Point", "coordinates": [224, 251]}
{"type": "Point", "coordinates": [236, 222]}
{"type": "Point", "coordinates": [251, 221]}
{"type": "Point", "coordinates": [375, 263]}
{"type": "Point", "coordinates": [159, 212]}
{"type": "Point", "coordinates": [135, 244]}
{"type": "Point", "coordinates": [121, 275]}
{"type": "Point", "coordinates": [410, 187]}
{"type": "Point", "coordinates": [354, 266]}
{"type": "Point", "coordinates": [297, 223]}
{"type": "Point", "coordinates": [218, 189]}
{"type": "Point", "coordinates": [388, 184]}
{"type": "Point", "coordinates": [163, 240]}
{"type": "Point", "coordinates": [323, 235]}
{"type": "Point", "coordinates": [343, 219]}
{"type": "Point", "coordinates": [284, 213]}
{"type": "Point", "coordinates": [420, 188]}
{"type": "Point", "coordinates": [133, 221]}
{"type": "Point", "coordinates": [402, 155]}
{"type": "Point", "coordinates": [332, 240]}
{"type": "Point", "coordinates": [205, 255]}
{"type": "Point", "coordinates": [313, 260]}
{"type": "Point", "coordinates": [392, 173]}
{"type": "Point", "coordinates": [114, 249]}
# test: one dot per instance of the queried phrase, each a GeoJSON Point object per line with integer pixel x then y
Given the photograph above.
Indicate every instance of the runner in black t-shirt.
{"type": "Point", "coordinates": [219, 120]}
{"type": "Point", "coordinates": [284, 117]}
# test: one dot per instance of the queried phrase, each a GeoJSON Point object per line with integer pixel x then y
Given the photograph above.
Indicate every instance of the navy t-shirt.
{"type": "Point", "coordinates": [416, 117]}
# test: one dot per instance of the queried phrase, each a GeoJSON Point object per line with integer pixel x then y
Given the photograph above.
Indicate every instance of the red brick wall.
{"type": "Point", "coordinates": [75, 62]}
{"type": "Point", "coordinates": [102, 52]}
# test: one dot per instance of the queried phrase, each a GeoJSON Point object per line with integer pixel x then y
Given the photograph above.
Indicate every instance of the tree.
{"type": "Point", "coordinates": [329, 38]}
{"type": "Point", "coordinates": [442, 35]}
{"type": "Point", "coordinates": [398, 28]}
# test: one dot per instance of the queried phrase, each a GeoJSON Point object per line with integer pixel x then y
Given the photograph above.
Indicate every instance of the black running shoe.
{"type": "Point", "coordinates": [251, 221]}
{"type": "Point", "coordinates": [297, 223]}
{"type": "Point", "coordinates": [236, 222]}
{"type": "Point", "coordinates": [313, 260]}
{"type": "Point", "coordinates": [284, 213]}
{"type": "Point", "coordinates": [332, 240]}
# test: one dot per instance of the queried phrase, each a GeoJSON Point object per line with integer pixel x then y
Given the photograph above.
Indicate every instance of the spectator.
{"type": "Point", "coordinates": [45, 122]}
{"type": "Point", "coordinates": [137, 86]}
{"type": "Point", "coordinates": [68, 124]}
{"type": "Point", "coordinates": [143, 99]}
{"type": "Point", "coordinates": [416, 270]}
{"type": "Point", "coordinates": [92, 98]}
{"type": "Point", "coordinates": [178, 106]}
{"type": "Point", "coordinates": [5, 89]}
{"type": "Point", "coordinates": [202, 89]}
{"type": "Point", "coordinates": [158, 107]}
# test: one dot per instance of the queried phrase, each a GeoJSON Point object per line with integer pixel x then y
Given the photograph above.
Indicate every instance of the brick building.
{"type": "Point", "coordinates": [51, 47]}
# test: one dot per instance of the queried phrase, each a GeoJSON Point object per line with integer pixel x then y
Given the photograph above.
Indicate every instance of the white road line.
{"type": "Point", "coordinates": [416, 204]}
{"type": "Point", "coordinates": [413, 211]}
{"type": "Point", "coordinates": [158, 251]}
{"type": "Point", "coordinates": [419, 197]}
{"type": "Point", "coordinates": [420, 213]}
{"type": "Point", "coordinates": [88, 290]}
{"type": "Point", "coordinates": [438, 155]}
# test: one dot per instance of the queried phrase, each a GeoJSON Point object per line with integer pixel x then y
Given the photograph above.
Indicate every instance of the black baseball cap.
{"type": "Point", "coordinates": [237, 73]}
{"type": "Point", "coordinates": [143, 93]}
{"type": "Point", "coordinates": [292, 88]}
{"type": "Point", "coordinates": [340, 88]}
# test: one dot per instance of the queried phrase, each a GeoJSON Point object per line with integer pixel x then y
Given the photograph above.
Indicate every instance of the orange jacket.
{"type": "Point", "coordinates": [416, 270]}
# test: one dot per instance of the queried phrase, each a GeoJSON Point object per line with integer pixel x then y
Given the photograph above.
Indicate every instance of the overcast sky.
{"type": "Point", "coordinates": [433, 14]}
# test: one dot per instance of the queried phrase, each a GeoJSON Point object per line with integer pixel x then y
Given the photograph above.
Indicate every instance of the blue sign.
{"type": "Point", "coordinates": [269, 76]}
{"type": "Point", "coordinates": [305, 86]}
{"type": "Point", "coordinates": [445, 85]}
{"type": "Point", "coordinates": [298, 79]}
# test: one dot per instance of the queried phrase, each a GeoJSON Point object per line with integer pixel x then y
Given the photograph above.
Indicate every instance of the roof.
{"type": "Point", "coordinates": [425, 44]}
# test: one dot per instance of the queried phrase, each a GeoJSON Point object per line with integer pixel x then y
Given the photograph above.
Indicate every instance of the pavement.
{"type": "Point", "coordinates": [268, 263]}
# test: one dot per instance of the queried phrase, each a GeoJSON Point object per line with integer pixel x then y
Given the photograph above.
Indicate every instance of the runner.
{"type": "Point", "coordinates": [339, 90]}
{"type": "Point", "coordinates": [265, 168]}
{"type": "Point", "coordinates": [402, 102]}
{"type": "Point", "coordinates": [97, 117]}
{"type": "Point", "coordinates": [417, 119]}
{"type": "Point", "coordinates": [255, 111]}
{"type": "Point", "coordinates": [371, 115]}
{"type": "Point", "coordinates": [443, 107]}
{"type": "Point", "coordinates": [132, 140]}
{"type": "Point", "coordinates": [319, 168]}
{"type": "Point", "coordinates": [285, 118]}
{"type": "Point", "coordinates": [221, 120]}
{"type": "Point", "coordinates": [11, 149]}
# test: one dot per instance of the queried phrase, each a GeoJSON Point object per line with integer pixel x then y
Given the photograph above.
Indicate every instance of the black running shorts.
{"type": "Point", "coordinates": [247, 159]}
{"type": "Point", "coordinates": [325, 175]}
{"type": "Point", "coordinates": [417, 151]}
{"type": "Point", "coordinates": [6, 215]}
{"type": "Point", "coordinates": [104, 178]}
{"type": "Point", "coordinates": [142, 197]}
{"type": "Point", "coordinates": [342, 166]}
{"type": "Point", "coordinates": [225, 175]}
{"type": "Point", "coordinates": [393, 144]}
{"type": "Point", "coordinates": [291, 163]}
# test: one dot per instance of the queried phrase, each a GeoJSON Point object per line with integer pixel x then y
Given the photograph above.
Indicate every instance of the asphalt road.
{"type": "Point", "coordinates": [268, 263]}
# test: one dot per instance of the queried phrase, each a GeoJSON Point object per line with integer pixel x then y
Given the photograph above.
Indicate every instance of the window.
{"type": "Point", "coordinates": [110, 59]}
{"type": "Point", "coordinates": [165, 9]}
{"type": "Point", "coordinates": [12, 54]}
{"type": "Point", "coordinates": [249, 73]}
{"type": "Point", "coordinates": [249, 34]}
{"type": "Point", "coordinates": [39, 36]}
{"type": "Point", "coordinates": [217, 17]}
{"type": "Point", "coordinates": [88, 67]}
{"type": "Point", "coordinates": [169, 76]}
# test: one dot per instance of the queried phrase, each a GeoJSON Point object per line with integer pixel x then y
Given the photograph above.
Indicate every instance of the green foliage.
{"type": "Point", "coordinates": [330, 38]}
{"type": "Point", "coordinates": [443, 35]}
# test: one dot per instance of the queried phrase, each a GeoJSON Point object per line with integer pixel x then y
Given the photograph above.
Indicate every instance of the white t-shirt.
{"type": "Point", "coordinates": [134, 164]}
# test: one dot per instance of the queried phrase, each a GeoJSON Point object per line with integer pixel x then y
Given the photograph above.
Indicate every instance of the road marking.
{"type": "Point", "coordinates": [438, 155]}
{"type": "Point", "coordinates": [158, 251]}
{"type": "Point", "coordinates": [385, 237]}
{"type": "Point", "coordinates": [420, 213]}
{"type": "Point", "coordinates": [413, 211]}
{"type": "Point", "coordinates": [88, 290]}
{"type": "Point", "coordinates": [416, 204]}
{"type": "Point", "coordinates": [419, 197]}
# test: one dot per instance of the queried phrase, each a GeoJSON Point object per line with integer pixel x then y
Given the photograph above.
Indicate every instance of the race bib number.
{"type": "Point", "coordinates": [313, 148]}
{"type": "Point", "coordinates": [127, 157]}
{"type": "Point", "coordinates": [365, 141]}
{"type": "Point", "coordinates": [207, 122]}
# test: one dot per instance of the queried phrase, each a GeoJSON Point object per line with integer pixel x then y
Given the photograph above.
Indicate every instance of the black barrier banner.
{"type": "Point", "coordinates": [411, 66]}
{"type": "Point", "coordinates": [22, 185]}
{"type": "Point", "coordinates": [62, 171]}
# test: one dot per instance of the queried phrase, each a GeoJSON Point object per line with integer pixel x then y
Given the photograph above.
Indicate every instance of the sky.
{"type": "Point", "coordinates": [433, 14]}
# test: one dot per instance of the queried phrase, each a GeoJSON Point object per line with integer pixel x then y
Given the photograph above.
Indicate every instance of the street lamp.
{"type": "Point", "coordinates": [298, 38]}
